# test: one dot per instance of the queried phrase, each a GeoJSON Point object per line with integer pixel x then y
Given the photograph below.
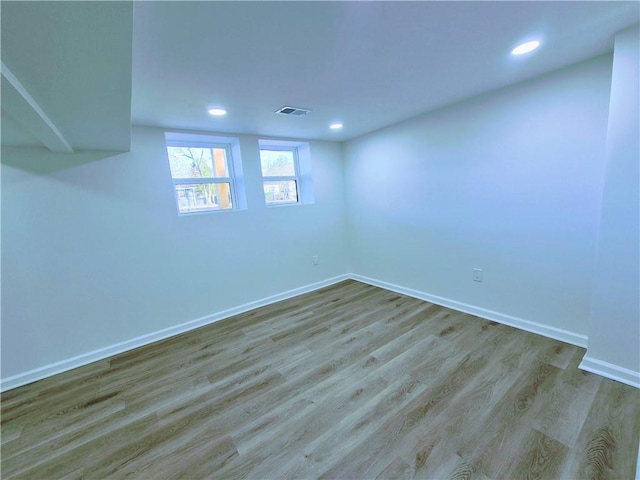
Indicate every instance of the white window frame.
{"type": "Point", "coordinates": [282, 178]}
{"type": "Point", "coordinates": [207, 180]}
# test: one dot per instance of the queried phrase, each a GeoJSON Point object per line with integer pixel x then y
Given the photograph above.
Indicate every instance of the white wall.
{"type": "Point", "coordinates": [509, 182]}
{"type": "Point", "coordinates": [94, 253]}
{"type": "Point", "coordinates": [614, 329]}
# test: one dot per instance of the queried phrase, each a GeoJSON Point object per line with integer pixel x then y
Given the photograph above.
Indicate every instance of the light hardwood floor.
{"type": "Point", "coordinates": [349, 382]}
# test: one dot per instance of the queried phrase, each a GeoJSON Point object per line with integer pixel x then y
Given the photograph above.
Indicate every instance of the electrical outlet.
{"type": "Point", "coordinates": [477, 275]}
{"type": "Point", "coordinates": [315, 260]}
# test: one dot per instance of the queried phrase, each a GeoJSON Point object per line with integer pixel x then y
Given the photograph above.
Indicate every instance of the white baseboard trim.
{"type": "Point", "coordinates": [111, 350]}
{"type": "Point", "coordinates": [529, 326]}
{"type": "Point", "coordinates": [589, 364]}
{"type": "Point", "coordinates": [609, 370]}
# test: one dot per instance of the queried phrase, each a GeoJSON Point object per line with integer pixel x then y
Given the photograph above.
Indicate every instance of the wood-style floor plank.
{"type": "Point", "coordinates": [350, 381]}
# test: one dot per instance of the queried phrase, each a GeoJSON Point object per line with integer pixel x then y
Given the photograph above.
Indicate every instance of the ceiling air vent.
{"type": "Point", "coordinates": [293, 111]}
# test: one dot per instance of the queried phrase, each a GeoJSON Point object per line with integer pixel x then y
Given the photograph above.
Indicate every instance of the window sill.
{"type": "Point", "coordinates": [277, 205]}
{"type": "Point", "coordinates": [208, 212]}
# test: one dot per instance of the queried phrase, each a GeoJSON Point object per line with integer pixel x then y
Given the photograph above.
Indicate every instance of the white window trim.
{"type": "Point", "coordinates": [206, 180]}
{"type": "Point", "coordinates": [283, 178]}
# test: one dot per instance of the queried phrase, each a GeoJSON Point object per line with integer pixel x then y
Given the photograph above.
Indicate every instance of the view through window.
{"type": "Point", "coordinates": [279, 175]}
{"type": "Point", "coordinates": [202, 177]}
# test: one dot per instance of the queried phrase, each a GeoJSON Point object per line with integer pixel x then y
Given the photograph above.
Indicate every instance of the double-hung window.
{"type": "Point", "coordinates": [202, 176]}
{"type": "Point", "coordinates": [280, 175]}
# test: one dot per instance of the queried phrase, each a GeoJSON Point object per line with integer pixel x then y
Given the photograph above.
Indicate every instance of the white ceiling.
{"type": "Point", "coordinates": [367, 64]}
{"type": "Point", "coordinates": [95, 67]}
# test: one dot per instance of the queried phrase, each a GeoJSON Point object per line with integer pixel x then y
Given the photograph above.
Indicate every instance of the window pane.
{"type": "Point", "coordinates": [200, 197]}
{"type": "Point", "coordinates": [277, 163]}
{"type": "Point", "coordinates": [195, 162]}
{"type": "Point", "coordinates": [282, 191]}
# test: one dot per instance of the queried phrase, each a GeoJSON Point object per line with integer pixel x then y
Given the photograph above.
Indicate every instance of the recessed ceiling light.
{"type": "Point", "coordinates": [217, 112]}
{"type": "Point", "coordinates": [335, 126]}
{"type": "Point", "coordinates": [525, 47]}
